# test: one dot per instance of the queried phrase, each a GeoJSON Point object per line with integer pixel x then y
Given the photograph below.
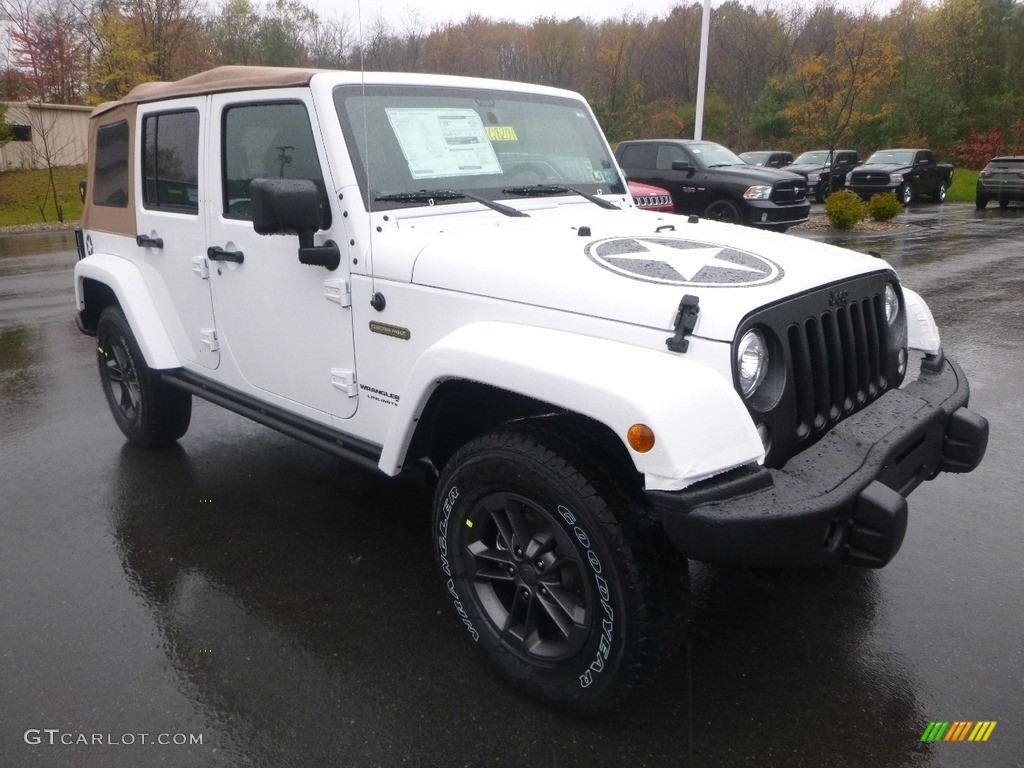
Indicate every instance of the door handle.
{"type": "Point", "coordinates": [145, 241]}
{"type": "Point", "coordinates": [214, 253]}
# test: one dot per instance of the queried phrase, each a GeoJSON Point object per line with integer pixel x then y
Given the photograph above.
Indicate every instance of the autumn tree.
{"type": "Point", "coordinates": [48, 46]}
{"type": "Point", "coordinates": [839, 88]}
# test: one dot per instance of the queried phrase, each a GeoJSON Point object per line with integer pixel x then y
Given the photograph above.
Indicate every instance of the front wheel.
{"type": "Point", "coordinates": [723, 210]}
{"type": "Point", "coordinates": [824, 190]}
{"type": "Point", "coordinates": [149, 412]}
{"type": "Point", "coordinates": [906, 194]}
{"type": "Point", "coordinates": [553, 566]}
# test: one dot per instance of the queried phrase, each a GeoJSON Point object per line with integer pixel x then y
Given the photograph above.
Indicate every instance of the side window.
{"type": "Point", "coordinates": [267, 141]}
{"type": "Point", "coordinates": [668, 154]}
{"type": "Point", "coordinates": [170, 161]}
{"type": "Point", "coordinates": [110, 184]}
{"type": "Point", "coordinates": [640, 156]}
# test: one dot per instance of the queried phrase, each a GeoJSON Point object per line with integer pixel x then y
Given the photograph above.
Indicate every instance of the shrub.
{"type": "Point", "coordinates": [884, 206]}
{"type": "Point", "coordinates": [844, 209]}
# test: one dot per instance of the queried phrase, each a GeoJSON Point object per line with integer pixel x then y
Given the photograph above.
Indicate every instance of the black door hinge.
{"type": "Point", "coordinates": [686, 319]}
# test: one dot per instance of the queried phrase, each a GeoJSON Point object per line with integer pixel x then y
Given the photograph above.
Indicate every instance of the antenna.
{"type": "Point", "coordinates": [366, 146]}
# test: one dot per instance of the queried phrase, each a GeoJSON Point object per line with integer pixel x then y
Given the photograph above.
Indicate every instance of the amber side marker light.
{"type": "Point", "coordinates": [640, 438]}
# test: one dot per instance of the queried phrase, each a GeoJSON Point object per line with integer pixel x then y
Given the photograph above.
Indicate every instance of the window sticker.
{"type": "Point", "coordinates": [443, 142]}
{"type": "Point", "coordinates": [501, 133]}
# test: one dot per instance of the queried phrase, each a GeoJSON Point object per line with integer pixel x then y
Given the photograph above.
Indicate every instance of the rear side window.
{"type": "Point", "coordinates": [267, 141]}
{"type": "Point", "coordinates": [641, 156]}
{"type": "Point", "coordinates": [110, 177]}
{"type": "Point", "coordinates": [170, 161]}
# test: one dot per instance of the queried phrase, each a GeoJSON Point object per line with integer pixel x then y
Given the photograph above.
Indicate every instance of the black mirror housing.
{"type": "Point", "coordinates": [681, 165]}
{"type": "Point", "coordinates": [285, 207]}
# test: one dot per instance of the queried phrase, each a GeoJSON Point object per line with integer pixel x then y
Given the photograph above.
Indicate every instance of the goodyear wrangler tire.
{"type": "Point", "coordinates": [149, 412]}
{"type": "Point", "coordinates": [554, 568]}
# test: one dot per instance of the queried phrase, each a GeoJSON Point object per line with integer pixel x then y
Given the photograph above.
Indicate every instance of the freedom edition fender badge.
{"type": "Point", "coordinates": [673, 261]}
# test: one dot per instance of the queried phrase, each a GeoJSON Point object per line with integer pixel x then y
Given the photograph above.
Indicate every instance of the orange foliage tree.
{"type": "Point", "coordinates": [840, 89]}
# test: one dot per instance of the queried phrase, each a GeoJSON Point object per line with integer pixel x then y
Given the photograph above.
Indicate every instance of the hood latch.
{"type": "Point", "coordinates": [686, 319]}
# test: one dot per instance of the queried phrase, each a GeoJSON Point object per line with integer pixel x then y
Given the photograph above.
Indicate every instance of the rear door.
{"type": "Point", "coordinates": [286, 326]}
{"type": "Point", "coordinates": [172, 217]}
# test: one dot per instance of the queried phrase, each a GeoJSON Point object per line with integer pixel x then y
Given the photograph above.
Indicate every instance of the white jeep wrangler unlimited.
{"type": "Point", "coordinates": [450, 272]}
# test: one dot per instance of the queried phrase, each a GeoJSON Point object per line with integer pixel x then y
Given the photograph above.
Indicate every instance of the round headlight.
{"type": "Point", "coordinates": [892, 304]}
{"type": "Point", "coordinates": [751, 361]}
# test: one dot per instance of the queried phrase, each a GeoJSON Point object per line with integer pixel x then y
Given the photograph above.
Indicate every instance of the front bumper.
{"type": "Point", "coordinates": [867, 190]}
{"type": "Point", "coordinates": [765, 213]}
{"type": "Point", "coordinates": [842, 499]}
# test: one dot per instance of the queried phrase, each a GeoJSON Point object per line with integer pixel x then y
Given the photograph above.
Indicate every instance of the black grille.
{"type": "Point", "coordinates": [833, 352]}
{"type": "Point", "coordinates": [786, 192]}
{"type": "Point", "coordinates": [870, 177]}
{"type": "Point", "coordinates": [837, 360]}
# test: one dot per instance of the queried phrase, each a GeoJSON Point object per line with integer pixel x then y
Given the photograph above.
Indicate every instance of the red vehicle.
{"type": "Point", "coordinates": [651, 198]}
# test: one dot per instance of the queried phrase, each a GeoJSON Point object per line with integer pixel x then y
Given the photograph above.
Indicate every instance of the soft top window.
{"type": "Point", "coordinates": [110, 179]}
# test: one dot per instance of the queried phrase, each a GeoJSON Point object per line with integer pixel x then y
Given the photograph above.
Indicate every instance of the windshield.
{"type": "Point", "coordinates": [405, 139]}
{"type": "Point", "coordinates": [714, 155]}
{"type": "Point", "coordinates": [892, 157]}
{"type": "Point", "coordinates": [755, 158]}
{"type": "Point", "coordinates": [813, 158]}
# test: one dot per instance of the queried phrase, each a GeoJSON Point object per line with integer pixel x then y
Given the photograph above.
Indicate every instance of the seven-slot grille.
{"type": "Point", "coordinates": [838, 354]}
{"type": "Point", "coordinates": [870, 177]}
{"type": "Point", "coordinates": [838, 362]}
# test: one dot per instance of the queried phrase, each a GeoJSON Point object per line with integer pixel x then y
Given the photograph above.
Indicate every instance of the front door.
{"type": "Point", "coordinates": [286, 326]}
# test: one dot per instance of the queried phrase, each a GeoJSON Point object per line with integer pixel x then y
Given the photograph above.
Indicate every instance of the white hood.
{"type": "Point", "coordinates": [633, 266]}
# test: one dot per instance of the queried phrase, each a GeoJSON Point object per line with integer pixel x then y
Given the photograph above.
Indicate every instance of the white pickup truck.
{"type": "Point", "coordinates": [450, 273]}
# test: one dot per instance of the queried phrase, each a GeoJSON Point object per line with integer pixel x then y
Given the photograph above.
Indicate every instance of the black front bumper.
{"type": "Point", "coordinates": [842, 499]}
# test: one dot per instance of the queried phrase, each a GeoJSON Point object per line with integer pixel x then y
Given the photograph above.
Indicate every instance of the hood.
{"type": "Point", "coordinates": [744, 174]}
{"type": "Point", "coordinates": [806, 168]}
{"type": "Point", "coordinates": [882, 168]}
{"type": "Point", "coordinates": [626, 266]}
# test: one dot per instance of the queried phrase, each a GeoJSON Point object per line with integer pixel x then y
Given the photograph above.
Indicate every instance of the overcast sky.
{"type": "Point", "coordinates": [430, 12]}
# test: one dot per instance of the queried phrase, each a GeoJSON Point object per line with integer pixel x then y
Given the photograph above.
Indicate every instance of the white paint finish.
{"type": "Point", "coordinates": [615, 384]}
{"type": "Point", "coordinates": [144, 315]}
{"type": "Point", "coordinates": [922, 332]}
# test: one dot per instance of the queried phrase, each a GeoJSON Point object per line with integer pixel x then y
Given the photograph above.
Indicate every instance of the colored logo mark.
{"type": "Point", "coordinates": [959, 730]}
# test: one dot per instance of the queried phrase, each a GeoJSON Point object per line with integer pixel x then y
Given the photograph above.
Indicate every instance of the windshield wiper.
{"type": "Point", "coordinates": [429, 195]}
{"type": "Point", "coordinates": [558, 189]}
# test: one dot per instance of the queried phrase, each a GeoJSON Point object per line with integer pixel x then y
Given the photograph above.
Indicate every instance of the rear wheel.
{"type": "Point", "coordinates": [555, 567]}
{"type": "Point", "coordinates": [1004, 203]}
{"type": "Point", "coordinates": [723, 210]}
{"type": "Point", "coordinates": [980, 201]}
{"type": "Point", "coordinates": [149, 412]}
{"type": "Point", "coordinates": [939, 194]}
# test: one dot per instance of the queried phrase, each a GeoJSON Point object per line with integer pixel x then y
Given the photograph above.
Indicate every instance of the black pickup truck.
{"type": "Point", "coordinates": [711, 181]}
{"type": "Point", "coordinates": [825, 171]}
{"type": "Point", "coordinates": [905, 172]}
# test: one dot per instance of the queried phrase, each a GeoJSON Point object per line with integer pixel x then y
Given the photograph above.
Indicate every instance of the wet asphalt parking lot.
{"type": "Point", "coordinates": [282, 607]}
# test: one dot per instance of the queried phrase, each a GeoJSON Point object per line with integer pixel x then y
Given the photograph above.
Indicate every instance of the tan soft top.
{"type": "Point", "coordinates": [230, 78]}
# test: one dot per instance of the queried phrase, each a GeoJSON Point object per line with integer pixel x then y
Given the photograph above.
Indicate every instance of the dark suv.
{"type": "Point", "coordinates": [1001, 180]}
{"type": "Point", "coordinates": [711, 181]}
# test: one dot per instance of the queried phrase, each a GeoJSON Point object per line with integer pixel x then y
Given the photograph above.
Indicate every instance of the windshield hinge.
{"type": "Point", "coordinates": [686, 319]}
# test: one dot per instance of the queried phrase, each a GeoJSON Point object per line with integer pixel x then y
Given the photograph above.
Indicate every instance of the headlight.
{"type": "Point", "coordinates": [849, 177]}
{"type": "Point", "coordinates": [757, 193]}
{"type": "Point", "coordinates": [895, 178]}
{"type": "Point", "coordinates": [751, 361]}
{"type": "Point", "coordinates": [892, 304]}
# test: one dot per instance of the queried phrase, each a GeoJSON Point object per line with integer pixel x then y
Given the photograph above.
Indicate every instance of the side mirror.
{"type": "Point", "coordinates": [681, 165]}
{"type": "Point", "coordinates": [292, 207]}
